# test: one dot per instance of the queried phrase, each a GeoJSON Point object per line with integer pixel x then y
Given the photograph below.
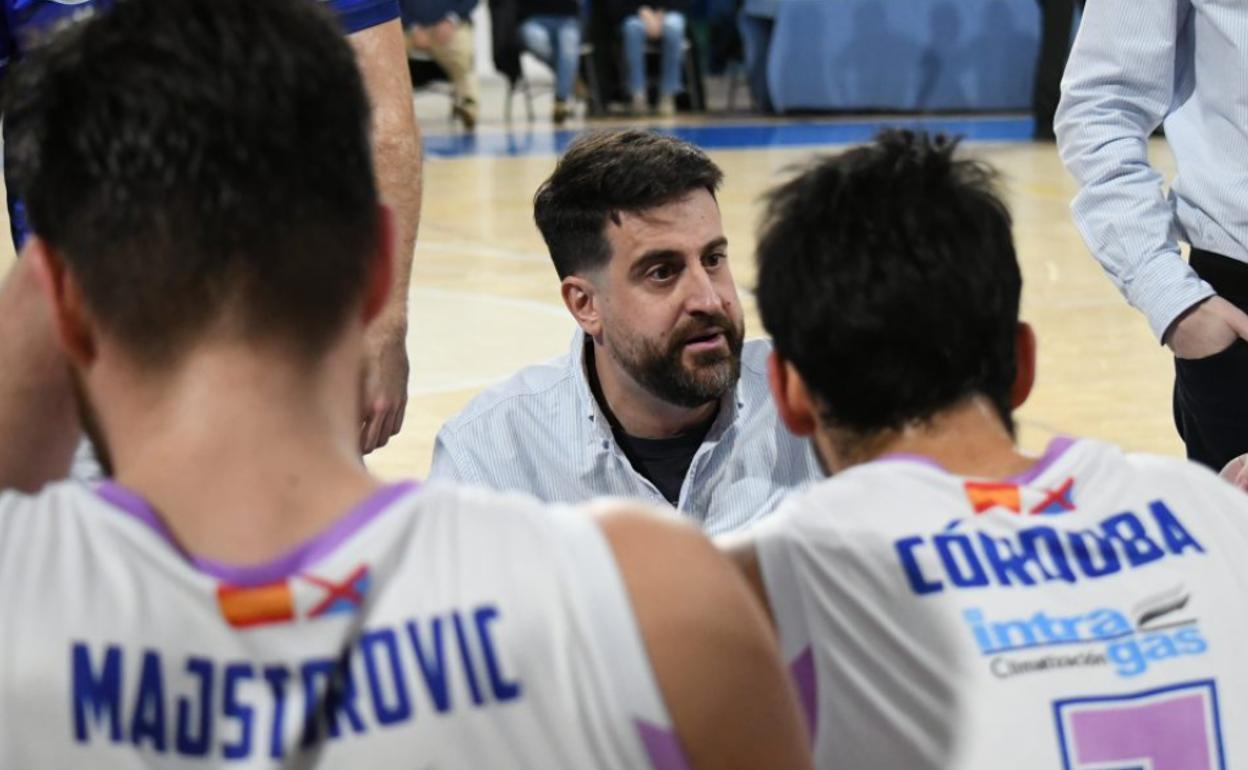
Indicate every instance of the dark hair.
{"type": "Point", "coordinates": [200, 163]}
{"type": "Point", "coordinates": [604, 173]}
{"type": "Point", "coordinates": [887, 277]}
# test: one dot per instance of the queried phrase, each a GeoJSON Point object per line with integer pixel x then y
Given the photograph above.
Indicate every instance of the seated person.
{"type": "Point", "coordinates": [755, 23]}
{"type": "Point", "coordinates": [245, 593]}
{"type": "Point", "coordinates": [443, 29]}
{"type": "Point", "coordinates": [643, 20]}
{"type": "Point", "coordinates": [659, 397]}
{"type": "Point", "coordinates": [551, 31]}
{"type": "Point", "coordinates": [947, 601]}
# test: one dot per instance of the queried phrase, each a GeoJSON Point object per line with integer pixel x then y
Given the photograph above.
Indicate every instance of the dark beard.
{"type": "Point", "coordinates": [662, 372]}
{"type": "Point", "coordinates": [91, 426]}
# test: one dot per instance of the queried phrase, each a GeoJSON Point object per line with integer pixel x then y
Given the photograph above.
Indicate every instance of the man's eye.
{"type": "Point", "coordinates": [714, 260]}
{"type": "Point", "coordinates": [661, 273]}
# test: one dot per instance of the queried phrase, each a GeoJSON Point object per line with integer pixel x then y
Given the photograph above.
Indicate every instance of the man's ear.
{"type": "Point", "coordinates": [64, 296]}
{"type": "Point", "coordinates": [581, 298]}
{"type": "Point", "coordinates": [1025, 365]}
{"type": "Point", "coordinates": [380, 280]}
{"type": "Point", "coordinates": [793, 401]}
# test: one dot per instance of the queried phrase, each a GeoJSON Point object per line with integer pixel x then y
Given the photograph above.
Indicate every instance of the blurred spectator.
{"type": "Point", "coordinates": [755, 22]}
{"type": "Point", "coordinates": [443, 29]}
{"type": "Point", "coordinates": [1057, 17]}
{"type": "Point", "coordinates": [551, 31]}
{"type": "Point", "coordinates": [643, 20]}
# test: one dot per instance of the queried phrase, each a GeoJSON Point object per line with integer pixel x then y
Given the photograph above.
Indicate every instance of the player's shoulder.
{"type": "Point", "coordinates": [63, 498]}
{"type": "Point", "coordinates": [32, 526]}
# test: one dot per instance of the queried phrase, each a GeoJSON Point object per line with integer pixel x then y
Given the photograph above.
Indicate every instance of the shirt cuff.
{"type": "Point", "coordinates": [1165, 289]}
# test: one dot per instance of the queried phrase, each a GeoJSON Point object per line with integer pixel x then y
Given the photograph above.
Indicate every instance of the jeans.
{"type": "Point", "coordinates": [756, 40]}
{"type": "Point", "coordinates": [673, 48]}
{"type": "Point", "coordinates": [556, 40]}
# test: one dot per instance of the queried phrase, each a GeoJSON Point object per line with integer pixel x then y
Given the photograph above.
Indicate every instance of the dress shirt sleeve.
{"type": "Point", "coordinates": [448, 465]}
{"type": "Point", "coordinates": [1118, 87]}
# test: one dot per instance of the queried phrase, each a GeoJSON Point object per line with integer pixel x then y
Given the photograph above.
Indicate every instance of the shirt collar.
{"type": "Point", "coordinates": [731, 409]}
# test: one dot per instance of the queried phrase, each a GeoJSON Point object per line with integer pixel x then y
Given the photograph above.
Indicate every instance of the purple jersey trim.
{"type": "Point", "coordinates": [802, 671]}
{"type": "Point", "coordinates": [662, 747]}
{"type": "Point", "coordinates": [1057, 448]}
{"type": "Point", "coordinates": [292, 562]}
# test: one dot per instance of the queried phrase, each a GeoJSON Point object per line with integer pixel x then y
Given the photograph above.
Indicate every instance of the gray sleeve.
{"type": "Point", "coordinates": [1119, 85]}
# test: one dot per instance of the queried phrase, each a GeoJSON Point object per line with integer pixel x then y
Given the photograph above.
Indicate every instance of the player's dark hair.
{"type": "Point", "coordinates": [604, 173]}
{"type": "Point", "coordinates": [887, 277]}
{"type": "Point", "coordinates": [200, 164]}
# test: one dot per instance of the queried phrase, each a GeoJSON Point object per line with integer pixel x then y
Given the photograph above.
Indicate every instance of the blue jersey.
{"type": "Point", "coordinates": [23, 23]}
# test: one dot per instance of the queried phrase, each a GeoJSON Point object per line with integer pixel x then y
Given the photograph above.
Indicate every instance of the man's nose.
{"type": "Point", "coordinates": [702, 296]}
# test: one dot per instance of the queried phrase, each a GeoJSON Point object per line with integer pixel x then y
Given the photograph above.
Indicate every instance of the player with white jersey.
{"type": "Point", "coordinates": [207, 251]}
{"type": "Point", "coordinates": [945, 601]}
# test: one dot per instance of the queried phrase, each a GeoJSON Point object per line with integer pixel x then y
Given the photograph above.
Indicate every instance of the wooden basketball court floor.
{"type": "Point", "coordinates": [484, 298]}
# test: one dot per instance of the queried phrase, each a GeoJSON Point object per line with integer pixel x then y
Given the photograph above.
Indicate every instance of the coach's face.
{"type": "Point", "coordinates": [669, 312]}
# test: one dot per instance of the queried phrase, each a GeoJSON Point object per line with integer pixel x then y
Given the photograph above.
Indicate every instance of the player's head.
{"type": "Point", "coordinates": [199, 171]}
{"type": "Point", "coordinates": [634, 229]}
{"type": "Point", "coordinates": [888, 279]}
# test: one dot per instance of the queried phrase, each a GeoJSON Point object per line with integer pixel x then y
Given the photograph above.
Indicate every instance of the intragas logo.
{"type": "Point", "coordinates": [1045, 642]}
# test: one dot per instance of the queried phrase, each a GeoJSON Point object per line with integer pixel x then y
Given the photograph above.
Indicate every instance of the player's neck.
{"type": "Point", "coordinates": [967, 440]}
{"type": "Point", "coordinates": [244, 456]}
{"type": "Point", "coordinates": [640, 413]}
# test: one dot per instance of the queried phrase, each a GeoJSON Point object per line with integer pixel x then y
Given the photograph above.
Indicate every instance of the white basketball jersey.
{"type": "Point", "coordinates": [1090, 614]}
{"type": "Point", "coordinates": [433, 627]}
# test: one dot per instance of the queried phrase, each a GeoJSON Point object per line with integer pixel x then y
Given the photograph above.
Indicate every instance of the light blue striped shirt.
{"type": "Point", "coordinates": [1136, 63]}
{"type": "Point", "coordinates": [542, 432]}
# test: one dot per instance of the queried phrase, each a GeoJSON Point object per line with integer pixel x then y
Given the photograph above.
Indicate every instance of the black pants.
{"type": "Point", "coordinates": [1057, 16]}
{"type": "Point", "coordinates": [1211, 394]}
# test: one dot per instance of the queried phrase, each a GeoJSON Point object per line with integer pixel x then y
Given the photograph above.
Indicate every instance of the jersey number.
{"type": "Point", "coordinates": [1169, 728]}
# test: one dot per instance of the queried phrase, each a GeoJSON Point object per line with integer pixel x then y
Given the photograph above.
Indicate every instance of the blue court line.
{"type": "Point", "coordinates": [531, 140]}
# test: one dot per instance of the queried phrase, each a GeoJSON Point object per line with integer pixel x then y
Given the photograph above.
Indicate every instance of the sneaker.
{"type": "Point", "coordinates": [640, 105]}
{"type": "Point", "coordinates": [667, 106]}
{"type": "Point", "coordinates": [561, 113]}
{"type": "Point", "coordinates": [466, 112]}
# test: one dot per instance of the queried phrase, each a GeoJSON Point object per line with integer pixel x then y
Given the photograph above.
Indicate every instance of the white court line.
{"type": "Point", "coordinates": [479, 250]}
{"type": "Point", "coordinates": [545, 308]}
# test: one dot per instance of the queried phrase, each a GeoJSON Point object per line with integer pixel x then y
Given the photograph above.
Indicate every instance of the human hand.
{"type": "Point", "coordinates": [419, 38]}
{"type": "Point", "coordinates": [443, 31]}
{"type": "Point", "coordinates": [652, 20]}
{"type": "Point", "coordinates": [384, 390]}
{"type": "Point", "coordinates": [1236, 472]}
{"type": "Point", "coordinates": [1207, 329]}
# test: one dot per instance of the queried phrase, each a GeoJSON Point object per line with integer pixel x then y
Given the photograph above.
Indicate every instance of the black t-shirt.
{"type": "Point", "coordinates": [664, 461]}
{"type": "Point", "coordinates": [661, 461]}
{"type": "Point", "coordinates": [528, 8]}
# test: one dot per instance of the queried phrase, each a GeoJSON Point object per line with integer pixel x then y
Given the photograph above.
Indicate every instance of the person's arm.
{"type": "Point", "coordinates": [709, 642]}
{"type": "Point", "coordinates": [1118, 87]}
{"type": "Point", "coordinates": [382, 59]}
{"type": "Point", "coordinates": [38, 418]}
